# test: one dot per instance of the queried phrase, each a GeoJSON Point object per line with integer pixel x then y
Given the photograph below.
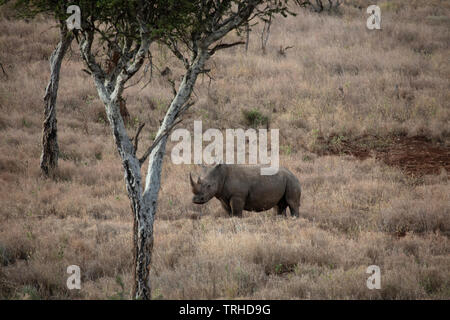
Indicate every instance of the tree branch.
{"type": "Point", "coordinates": [136, 137]}
{"type": "Point", "coordinates": [172, 83]}
{"type": "Point", "coordinates": [157, 140]}
{"type": "Point", "coordinates": [235, 20]}
{"type": "Point", "coordinates": [86, 52]}
{"type": "Point", "coordinates": [224, 46]}
{"type": "Point", "coordinates": [174, 48]}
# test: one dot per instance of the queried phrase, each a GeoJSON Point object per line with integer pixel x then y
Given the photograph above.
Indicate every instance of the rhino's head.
{"type": "Point", "coordinates": [207, 186]}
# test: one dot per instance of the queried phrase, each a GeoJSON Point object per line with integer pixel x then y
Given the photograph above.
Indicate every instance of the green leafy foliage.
{"type": "Point", "coordinates": [254, 117]}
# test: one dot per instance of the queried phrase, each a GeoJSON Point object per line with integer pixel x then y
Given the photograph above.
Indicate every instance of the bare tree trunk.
{"type": "Point", "coordinates": [50, 150]}
{"type": "Point", "coordinates": [142, 216]}
{"type": "Point", "coordinates": [247, 36]}
{"type": "Point", "coordinates": [265, 34]}
{"type": "Point", "coordinates": [143, 233]}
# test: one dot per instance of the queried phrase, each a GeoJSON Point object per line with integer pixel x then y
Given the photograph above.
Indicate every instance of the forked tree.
{"type": "Point", "coordinates": [193, 31]}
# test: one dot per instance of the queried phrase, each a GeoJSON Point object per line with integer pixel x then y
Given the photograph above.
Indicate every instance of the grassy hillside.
{"type": "Point", "coordinates": [364, 121]}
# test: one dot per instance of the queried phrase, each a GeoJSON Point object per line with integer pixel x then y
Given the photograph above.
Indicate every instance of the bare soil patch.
{"type": "Point", "coordinates": [417, 155]}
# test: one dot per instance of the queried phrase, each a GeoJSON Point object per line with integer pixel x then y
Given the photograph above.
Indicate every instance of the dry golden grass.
{"type": "Point", "coordinates": [353, 213]}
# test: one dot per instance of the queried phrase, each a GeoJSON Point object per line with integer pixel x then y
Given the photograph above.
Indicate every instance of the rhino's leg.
{"type": "Point", "coordinates": [294, 210]}
{"type": "Point", "coordinates": [237, 205]}
{"type": "Point", "coordinates": [293, 204]}
{"type": "Point", "coordinates": [293, 198]}
{"type": "Point", "coordinates": [226, 206]}
{"type": "Point", "coordinates": [281, 207]}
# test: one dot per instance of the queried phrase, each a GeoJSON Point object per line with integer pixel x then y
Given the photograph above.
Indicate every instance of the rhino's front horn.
{"type": "Point", "coordinates": [194, 185]}
{"type": "Point", "coordinates": [192, 180]}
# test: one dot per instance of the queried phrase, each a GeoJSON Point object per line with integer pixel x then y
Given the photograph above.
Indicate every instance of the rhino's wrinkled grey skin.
{"type": "Point", "coordinates": [242, 187]}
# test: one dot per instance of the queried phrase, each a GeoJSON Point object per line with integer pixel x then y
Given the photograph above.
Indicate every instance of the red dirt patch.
{"type": "Point", "coordinates": [415, 155]}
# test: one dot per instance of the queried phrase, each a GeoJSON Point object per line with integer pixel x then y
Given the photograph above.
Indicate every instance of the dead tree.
{"type": "Point", "coordinates": [50, 149]}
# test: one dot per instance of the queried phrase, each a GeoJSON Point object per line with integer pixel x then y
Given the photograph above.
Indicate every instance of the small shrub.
{"type": "Point", "coordinates": [255, 118]}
